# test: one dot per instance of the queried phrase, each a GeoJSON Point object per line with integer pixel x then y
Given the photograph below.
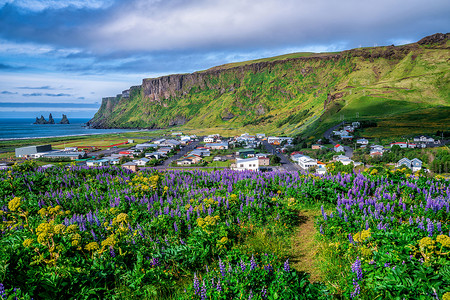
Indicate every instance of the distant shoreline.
{"type": "Point", "coordinates": [69, 135]}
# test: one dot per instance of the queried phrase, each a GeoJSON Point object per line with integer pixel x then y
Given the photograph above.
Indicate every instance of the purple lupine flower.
{"type": "Point", "coordinates": [219, 286]}
{"type": "Point", "coordinates": [287, 268]}
{"type": "Point", "coordinates": [2, 290]}
{"type": "Point", "coordinates": [357, 289]}
{"type": "Point", "coordinates": [175, 226]}
{"type": "Point", "coordinates": [264, 293]}
{"type": "Point", "coordinates": [222, 267]}
{"type": "Point", "coordinates": [430, 228]}
{"type": "Point", "coordinates": [438, 226]}
{"type": "Point", "coordinates": [252, 263]}
{"type": "Point", "coordinates": [250, 296]}
{"type": "Point", "coordinates": [243, 267]}
{"type": "Point", "coordinates": [350, 238]}
{"type": "Point", "coordinates": [203, 291]}
{"type": "Point", "coordinates": [387, 265]}
{"type": "Point", "coordinates": [321, 229]}
{"type": "Point", "coordinates": [324, 214]}
{"type": "Point", "coordinates": [196, 285]}
{"type": "Point", "coordinates": [111, 252]}
{"type": "Point", "coordinates": [356, 268]}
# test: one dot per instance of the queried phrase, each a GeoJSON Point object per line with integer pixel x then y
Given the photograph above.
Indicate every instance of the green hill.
{"type": "Point", "coordinates": [404, 88]}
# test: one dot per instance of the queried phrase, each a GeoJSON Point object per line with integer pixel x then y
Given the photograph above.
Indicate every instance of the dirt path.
{"type": "Point", "coordinates": [304, 246]}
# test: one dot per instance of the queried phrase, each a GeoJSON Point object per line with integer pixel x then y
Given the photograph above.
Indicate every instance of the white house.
{"type": "Point", "coordinates": [296, 157]}
{"type": "Point", "coordinates": [217, 146]}
{"type": "Point", "coordinates": [414, 164]}
{"type": "Point", "coordinates": [424, 138]}
{"type": "Point", "coordinates": [339, 148]}
{"type": "Point", "coordinates": [159, 141]}
{"type": "Point", "coordinates": [400, 144]}
{"type": "Point", "coordinates": [307, 162]}
{"type": "Point", "coordinates": [343, 159]}
{"type": "Point", "coordinates": [146, 146]}
{"type": "Point", "coordinates": [362, 141]}
{"type": "Point", "coordinates": [356, 124]}
{"type": "Point", "coordinates": [142, 161]}
{"type": "Point", "coordinates": [260, 135]}
{"type": "Point", "coordinates": [99, 162]}
{"type": "Point", "coordinates": [349, 128]}
{"type": "Point", "coordinates": [208, 139]}
{"type": "Point", "coordinates": [247, 164]}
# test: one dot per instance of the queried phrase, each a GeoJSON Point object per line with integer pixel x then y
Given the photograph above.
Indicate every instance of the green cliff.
{"type": "Point", "coordinates": [404, 86]}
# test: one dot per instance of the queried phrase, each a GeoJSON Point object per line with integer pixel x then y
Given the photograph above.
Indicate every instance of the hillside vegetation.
{"type": "Point", "coordinates": [407, 87]}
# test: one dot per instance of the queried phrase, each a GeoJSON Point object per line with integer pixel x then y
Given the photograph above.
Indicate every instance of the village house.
{"type": "Point", "coordinates": [424, 139]}
{"type": "Point", "coordinates": [339, 148]}
{"type": "Point", "coordinates": [144, 146]}
{"type": "Point", "coordinates": [246, 153]}
{"type": "Point", "coordinates": [72, 155]}
{"type": "Point", "coordinates": [141, 162]}
{"type": "Point", "coordinates": [316, 147]}
{"type": "Point", "coordinates": [414, 164]}
{"type": "Point", "coordinates": [307, 162]}
{"type": "Point", "coordinates": [130, 166]}
{"type": "Point", "coordinates": [349, 128]}
{"type": "Point", "coordinates": [185, 162]}
{"type": "Point", "coordinates": [374, 152]}
{"type": "Point", "coordinates": [343, 159]}
{"type": "Point", "coordinates": [362, 141]}
{"type": "Point", "coordinates": [97, 163]}
{"type": "Point", "coordinates": [217, 146]}
{"type": "Point", "coordinates": [321, 168]}
{"type": "Point", "coordinates": [159, 141]}
{"type": "Point", "coordinates": [263, 161]}
{"type": "Point", "coordinates": [400, 144]}
{"type": "Point", "coordinates": [112, 160]}
{"type": "Point", "coordinates": [260, 135]}
{"type": "Point", "coordinates": [153, 155]}
{"type": "Point", "coordinates": [296, 157]}
{"type": "Point", "coordinates": [274, 140]}
{"type": "Point", "coordinates": [247, 164]}
{"type": "Point", "coordinates": [208, 139]}
{"type": "Point", "coordinates": [356, 124]}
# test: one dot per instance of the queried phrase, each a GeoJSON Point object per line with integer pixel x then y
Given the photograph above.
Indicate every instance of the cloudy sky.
{"type": "Point", "coordinates": [78, 51]}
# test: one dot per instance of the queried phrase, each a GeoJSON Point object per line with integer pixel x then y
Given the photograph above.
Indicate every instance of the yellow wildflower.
{"type": "Point", "coordinates": [426, 242]}
{"type": "Point", "coordinates": [43, 212]}
{"type": "Point", "coordinates": [110, 241]}
{"type": "Point", "coordinates": [59, 228]}
{"type": "Point", "coordinates": [14, 204]}
{"type": "Point", "coordinates": [44, 228]}
{"type": "Point", "coordinates": [92, 246]}
{"type": "Point", "coordinates": [75, 243]}
{"type": "Point", "coordinates": [444, 240]}
{"type": "Point", "coordinates": [72, 228]}
{"type": "Point", "coordinates": [446, 296]}
{"type": "Point", "coordinates": [362, 235]}
{"type": "Point", "coordinates": [27, 243]}
{"type": "Point", "coordinates": [76, 236]}
{"type": "Point", "coordinates": [122, 217]}
{"type": "Point", "coordinates": [42, 238]}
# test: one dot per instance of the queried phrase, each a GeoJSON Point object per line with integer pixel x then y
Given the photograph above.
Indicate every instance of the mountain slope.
{"type": "Point", "coordinates": [296, 92]}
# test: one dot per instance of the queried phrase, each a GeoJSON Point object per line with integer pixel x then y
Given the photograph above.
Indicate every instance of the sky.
{"type": "Point", "coordinates": [65, 55]}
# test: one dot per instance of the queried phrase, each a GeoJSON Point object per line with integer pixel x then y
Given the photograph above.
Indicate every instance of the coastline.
{"type": "Point", "coordinates": [70, 135]}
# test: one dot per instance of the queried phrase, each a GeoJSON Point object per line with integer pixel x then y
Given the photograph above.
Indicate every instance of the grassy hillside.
{"type": "Point", "coordinates": [406, 89]}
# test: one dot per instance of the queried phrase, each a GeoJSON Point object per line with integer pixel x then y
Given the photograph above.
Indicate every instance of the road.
{"type": "Point", "coordinates": [285, 162]}
{"type": "Point", "coordinates": [106, 152]}
{"type": "Point", "coordinates": [181, 153]}
{"type": "Point", "coordinates": [329, 135]}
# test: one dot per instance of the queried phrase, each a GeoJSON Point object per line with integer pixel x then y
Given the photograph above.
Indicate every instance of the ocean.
{"type": "Point", "coordinates": [24, 128]}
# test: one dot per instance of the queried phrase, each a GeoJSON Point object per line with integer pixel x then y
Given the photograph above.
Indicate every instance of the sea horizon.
{"type": "Point", "coordinates": [16, 128]}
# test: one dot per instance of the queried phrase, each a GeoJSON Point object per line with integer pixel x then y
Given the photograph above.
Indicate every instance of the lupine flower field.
{"type": "Point", "coordinates": [106, 233]}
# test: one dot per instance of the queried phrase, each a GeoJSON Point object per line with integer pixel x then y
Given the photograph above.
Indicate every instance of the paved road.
{"type": "Point", "coordinates": [107, 152]}
{"type": "Point", "coordinates": [285, 162]}
{"type": "Point", "coordinates": [182, 152]}
{"type": "Point", "coordinates": [329, 135]}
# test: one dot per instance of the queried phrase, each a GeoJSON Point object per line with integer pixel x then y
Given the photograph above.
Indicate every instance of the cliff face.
{"type": "Point", "coordinates": [268, 93]}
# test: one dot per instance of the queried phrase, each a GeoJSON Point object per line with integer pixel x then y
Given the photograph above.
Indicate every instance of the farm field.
{"type": "Point", "coordinates": [107, 233]}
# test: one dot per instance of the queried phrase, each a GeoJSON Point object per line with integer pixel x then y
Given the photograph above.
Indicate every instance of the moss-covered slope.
{"type": "Point", "coordinates": [298, 92]}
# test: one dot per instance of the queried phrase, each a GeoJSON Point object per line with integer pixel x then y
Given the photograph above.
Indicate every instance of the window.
{"type": "Point", "coordinates": [241, 165]}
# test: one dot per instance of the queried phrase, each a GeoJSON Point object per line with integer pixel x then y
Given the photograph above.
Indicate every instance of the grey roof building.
{"type": "Point", "coordinates": [30, 150]}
